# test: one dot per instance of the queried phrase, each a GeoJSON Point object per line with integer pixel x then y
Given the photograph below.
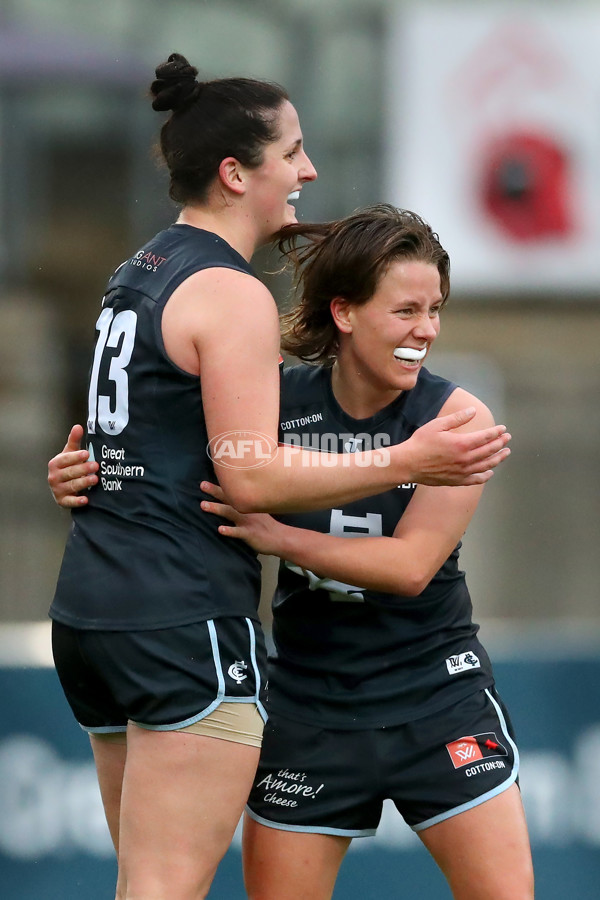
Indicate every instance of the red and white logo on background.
{"type": "Point", "coordinates": [473, 747]}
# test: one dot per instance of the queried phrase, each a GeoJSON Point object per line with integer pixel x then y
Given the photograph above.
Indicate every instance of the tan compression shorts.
{"type": "Point", "coordinates": [238, 722]}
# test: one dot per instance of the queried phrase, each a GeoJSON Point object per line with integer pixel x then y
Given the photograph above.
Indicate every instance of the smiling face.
{"type": "Point", "coordinates": [383, 342]}
{"type": "Point", "coordinates": [284, 170]}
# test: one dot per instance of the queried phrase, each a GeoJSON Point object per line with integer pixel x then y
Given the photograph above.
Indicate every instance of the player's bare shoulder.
{"type": "Point", "coordinates": [215, 305]}
{"type": "Point", "coordinates": [219, 290]}
{"type": "Point", "coordinates": [461, 399]}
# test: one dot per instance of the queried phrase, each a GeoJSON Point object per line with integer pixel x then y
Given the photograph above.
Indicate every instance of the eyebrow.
{"type": "Point", "coordinates": [295, 146]}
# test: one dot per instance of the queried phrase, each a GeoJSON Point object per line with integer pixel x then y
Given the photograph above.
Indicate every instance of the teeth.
{"type": "Point", "coordinates": [294, 195]}
{"type": "Point", "coordinates": [409, 353]}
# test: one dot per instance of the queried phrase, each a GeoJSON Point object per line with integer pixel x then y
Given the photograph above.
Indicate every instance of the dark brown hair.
{"type": "Point", "coordinates": [211, 120]}
{"type": "Point", "coordinates": [347, 258]}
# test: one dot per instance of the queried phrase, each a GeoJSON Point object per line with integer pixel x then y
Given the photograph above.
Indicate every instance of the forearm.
{"type": "Point", "coordinates": [375, 563]}
{"type": "Point", "coordinates": [291, 479]}
{"type": "Point", "coordinates": [298, 480]}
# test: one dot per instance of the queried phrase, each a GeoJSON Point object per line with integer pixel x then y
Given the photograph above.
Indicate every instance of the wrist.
{"type": "Point", "coordinates": [403, 463]}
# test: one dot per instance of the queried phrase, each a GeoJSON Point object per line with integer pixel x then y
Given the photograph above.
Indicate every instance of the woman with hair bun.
{"type": "Point", "coordinates": [156, 637]}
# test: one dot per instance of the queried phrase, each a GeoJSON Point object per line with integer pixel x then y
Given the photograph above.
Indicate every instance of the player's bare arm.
{"type": "Point", "coordinates": [240, 390]}
{"type": "Point", "coordinates": [433, 524]}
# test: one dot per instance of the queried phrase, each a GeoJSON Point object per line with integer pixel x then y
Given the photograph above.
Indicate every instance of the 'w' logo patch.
{"type": "Point", "coordinates": [476, 746]}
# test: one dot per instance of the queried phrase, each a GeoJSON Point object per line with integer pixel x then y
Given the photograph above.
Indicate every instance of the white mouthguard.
{"type": "Point", "coordinates": [409, 353]}
{"type": "Point", "coordinates": [294, 195]}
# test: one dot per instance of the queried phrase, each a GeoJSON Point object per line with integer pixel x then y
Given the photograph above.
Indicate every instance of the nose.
{"type": "Point", "coordinates": [307, 171]}
{"type": "Point", "coordinates": [427, 328]}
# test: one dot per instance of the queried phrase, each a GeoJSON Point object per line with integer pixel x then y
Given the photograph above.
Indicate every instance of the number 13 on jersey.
{"type": "Point", "coordinates": [113, 329]}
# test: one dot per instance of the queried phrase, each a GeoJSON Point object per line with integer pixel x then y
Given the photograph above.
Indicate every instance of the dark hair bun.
{"type": "Point", "coordinates": [175, 84]}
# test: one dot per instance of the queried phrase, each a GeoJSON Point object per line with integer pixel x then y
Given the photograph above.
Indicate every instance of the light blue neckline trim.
{"type": "Point", "coordinates": [494, 792]}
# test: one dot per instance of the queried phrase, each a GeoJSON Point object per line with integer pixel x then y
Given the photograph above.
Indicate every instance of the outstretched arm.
{"type": "Point", "coordinates": [431, 527]}
{"type": "Point", "coordinates": [240, 394]}
{"type": "Point", "coordinates": [231, 340]}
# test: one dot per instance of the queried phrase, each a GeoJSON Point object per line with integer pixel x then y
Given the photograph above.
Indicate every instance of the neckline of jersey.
{"type": "Point", "coordinates": [349, 421]}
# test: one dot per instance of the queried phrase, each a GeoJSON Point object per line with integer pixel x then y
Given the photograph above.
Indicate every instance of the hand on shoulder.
{"type": "Point", "coordinates": [461, 399]}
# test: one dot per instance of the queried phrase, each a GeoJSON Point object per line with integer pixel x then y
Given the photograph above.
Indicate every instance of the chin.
{"type": "Point", "coordinates": [408, 381]}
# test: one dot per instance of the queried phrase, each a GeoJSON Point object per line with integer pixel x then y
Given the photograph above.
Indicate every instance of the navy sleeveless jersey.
{"type": "Point", "coordinates": [347, 657]}
{"type": "Point", "coordinates": [142, 554]}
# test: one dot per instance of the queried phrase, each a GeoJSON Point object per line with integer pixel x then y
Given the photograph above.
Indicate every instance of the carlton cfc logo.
{"type": "Point", "coordinates": [473, 747]}
{"type": "Point", "coordinates": [236, 671]}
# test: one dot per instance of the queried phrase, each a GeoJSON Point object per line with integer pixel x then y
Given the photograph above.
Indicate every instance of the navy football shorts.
{"type": "Point", "coordinates": [163, 680]}
{"type": "Point", "coordinates": [325, 781]}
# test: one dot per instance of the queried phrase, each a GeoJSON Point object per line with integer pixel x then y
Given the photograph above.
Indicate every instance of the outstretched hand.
{"type": "Point", "coordinates": [71, 471]}
{"type": "Point", "coordinates": [260, 530]}
{"type": "Point", "coordinates": [443, 455]}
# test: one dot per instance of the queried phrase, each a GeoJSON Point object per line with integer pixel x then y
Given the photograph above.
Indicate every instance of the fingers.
{"type": "Point", "coordinates": [71, 501]}
{"type": "Point", "coordinates": [74, 439]}
{"type": "Point", "coordinates": [456, 419]}
{"type": "Point", "coordinates": [68, 467]}
{"type": "Point", "coordinates": [220, 509]}
{"type": "Point", "coordinates": [71, 472]}
{"type": "Point", "coordinates": [483, 470]}
{"type": "Point", "coordinates": [67, 493]}
{"type": "Point", "coordinates": [477, 478]}
{"type": "Point", "coordinates": [476, 438]}
{"type": "Point", "coordinates": [82, 483]}
{"type": "Point", "coordinates": [214, 490]}
{"type": "Point", "coordinates": [491, 454]}
{"type": "Point", "coordinates": [497, 436]}
{"type": "Point", "coordinates": [231, 531]}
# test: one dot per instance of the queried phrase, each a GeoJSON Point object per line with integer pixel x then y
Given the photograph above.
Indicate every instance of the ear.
{"type": "Point", "coordinates": [231, 175]}
{"type": "Point", "coordinates": [341, 314]}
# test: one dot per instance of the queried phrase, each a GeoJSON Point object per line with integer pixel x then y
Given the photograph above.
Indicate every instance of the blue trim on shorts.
{"type": "Point", "coordinates": [221, 689]}
{"type": "Point", "coordinates": [258, 681]}
{"type": "Point", "coordinates": [176, 726]}
{"type": "Point", "coordinates": [103, 729]}
{"type": "Point", "coordinates": [471, 804]}
{"type": "Point", "coordinates": [312, 829]}
{"type": "Point", "coordinates": [257, 678]}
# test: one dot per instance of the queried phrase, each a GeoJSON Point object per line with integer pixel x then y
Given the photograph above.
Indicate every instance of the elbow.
{"type": "Point", "coordinates": [411, 584]}
{"type": "Point", "coordinates": [244, 492]}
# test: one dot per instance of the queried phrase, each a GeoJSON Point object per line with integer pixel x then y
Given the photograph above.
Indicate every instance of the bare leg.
{"type": "Point", "coordinates": [290, 864]}
{"type": "Point", "coordinates": [109, 757]}
{"type": "Point", "coordinates": [183, 795]}
{"type": "Point", "coordinates": [110, 763]}
{"type": "Point", "coordinates": [484, 852]}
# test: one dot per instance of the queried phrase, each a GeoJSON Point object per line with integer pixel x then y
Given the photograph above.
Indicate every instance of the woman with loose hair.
{"type": "Point", "coordinates": [379, 687]}
{"type": "Point", "coordinates": [156, 637]}
{"type": "Point", "coordinates": [348, 258]}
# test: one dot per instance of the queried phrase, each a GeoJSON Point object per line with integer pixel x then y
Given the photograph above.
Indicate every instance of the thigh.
{"type": "Point", "coordinates": [317, 780]}
{"type": "Point", "coordinates": [109, 756]}
{"type": "Point", "coordinates": [290, 864]}
{"type": "Point", "coordinates": [484, 852]}
{"type": "Point", "coordinates": [183, 795]}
